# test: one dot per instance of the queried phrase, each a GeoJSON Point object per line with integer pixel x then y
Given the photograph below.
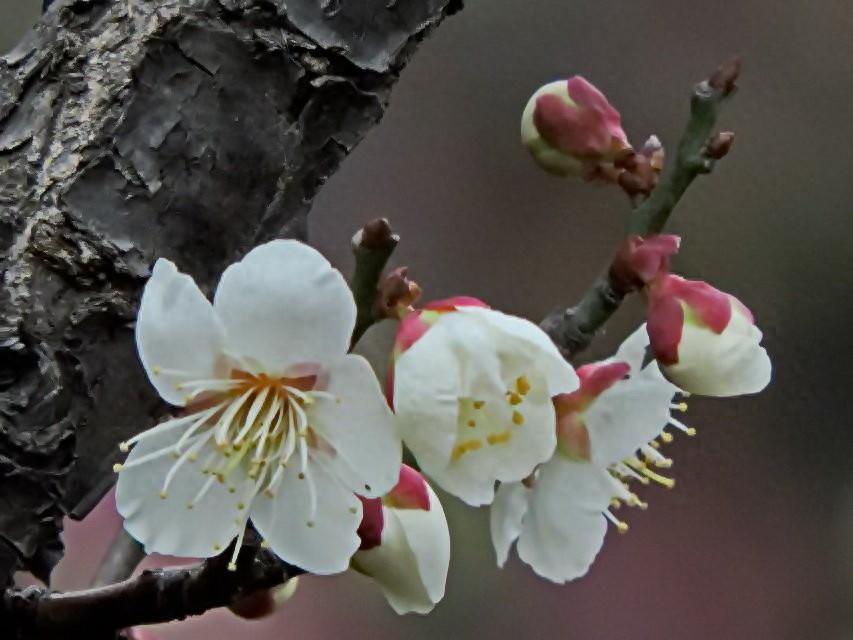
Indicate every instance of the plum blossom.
{"type": "Point", "coordinates": [606, 433]}
{"type": "Point", "coordinates": [405, 544]}
{"type": "Point", "coordinates": [279, 425]}
{"type": "Point", "coordinates": [569, 127]}
{"type": "Point", "coordinates": [704, 339]}
{"type": "Point", "coordinates": [472, 392]}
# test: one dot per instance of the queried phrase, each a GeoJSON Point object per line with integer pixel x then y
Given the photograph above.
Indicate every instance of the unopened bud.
{"type": "Point", "coordinates": [376, 235]}
{"type": "Point", "coordinates": [569, 127]}
{"type": "Point", "coordinates": [641, 259]}
{"type": "Point", "coordinates": [265, 602]}
{"type": "Point", "coordinates": [396, 292]}
{"type": "Point", "coordinates": [726, 75]}
{"type": "Point", "coordinates": [719, 145]}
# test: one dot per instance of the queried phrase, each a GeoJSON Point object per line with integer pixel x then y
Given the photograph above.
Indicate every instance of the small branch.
{"type": "Point", "coordinates": [150, 598]}
{"type": "Point", "coordinates": [372, 247]}
{"type": "Point", "coordinates": [121, 559]}
{"type": "Point", "coordinates": [573, 329]}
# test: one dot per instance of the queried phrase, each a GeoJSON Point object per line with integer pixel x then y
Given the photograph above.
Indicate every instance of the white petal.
{"type": "Point", "coordinates": [283, 305]}
{"type": "Point", "coordinates": [427, 387]}
{"type": "Point", "coordinates": [559, 374]}
{"type": "Point", "coordinates": [411, 563]}
{"type": "Point", "coordinates": [376, 346]}
{"type": "Point", "coordinates": [463, 358]}
{"type": "Point", "coordinates": [728, 364]}
{"type": "Point", "coordinates": [564, 528]}
{"type": "Point", "coordinates": [633, 349]}
{"type": "Point", "coordinates": [167, 525]}
{"type": "Point", "coordinates": [506, 516]}
{"type": "Point", "coordinates": [626, 416]}
{"type": "Point", "coordinates": [283, 521]}
{"type": "Point", "coordinates": [360, 427]}
{"type": "Point", "coordinates": [178, 335]}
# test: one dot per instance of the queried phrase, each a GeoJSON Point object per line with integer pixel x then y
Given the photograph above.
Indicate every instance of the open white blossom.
{"type": "Point", "coordinates": [279, 425]}
{"type": "Point", "coordinates": [473, 399]}
{"type": "Point", "coordinates": [606, 438]}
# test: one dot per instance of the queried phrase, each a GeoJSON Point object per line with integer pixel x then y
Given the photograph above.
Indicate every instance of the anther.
{"type": "Point", "coordinates": [123, 447]}
{"type": "Point", "coordinates": [517, 418]}
{"type": "Point", "coordinates": [478, 404]}
{"type": "Point", "coordinates": [514, 398]}
{"type": "Point", "coordinates": [666, 436]}
{"type": "Point", "coordinates": [117, 468]}
{"type": "Point", "coordinates": [522, 385]}
{"type": "Point", "coordinates": [163, 495]}
{"type": "Point", "coordinates": [472, 424]}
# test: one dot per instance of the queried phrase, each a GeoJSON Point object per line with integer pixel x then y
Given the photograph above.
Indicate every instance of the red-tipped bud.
{"type": "Point", "coordinates": [372, 522]}
{"type": "Point", "coordinates": [705, 340]}
{"type": "Point", "coordinates": [410, 492]}
{"type": "Point", "coordinates": [569, 127]}
{"type": "Point", "coordinates": [641, 259]}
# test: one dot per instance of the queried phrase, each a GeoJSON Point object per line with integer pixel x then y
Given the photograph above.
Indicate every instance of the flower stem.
{"type": "Point", "coordinates": [574, 328]}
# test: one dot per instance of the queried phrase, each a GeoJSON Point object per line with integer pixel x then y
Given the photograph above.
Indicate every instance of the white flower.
{"type": "Point", "coordinates": [559, 515]}
{"type": "Point", "coordinates": [473, 399]}
{"type": "Point", "coordinates": [705, 340]}
{"type": "Point", "coordinates": [406, 545]}
{"type": "Point", "coordinates": [280, 424]}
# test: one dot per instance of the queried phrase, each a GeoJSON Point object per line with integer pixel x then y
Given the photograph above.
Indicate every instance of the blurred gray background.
{"type": "Point", "coordinates": [756, 541]}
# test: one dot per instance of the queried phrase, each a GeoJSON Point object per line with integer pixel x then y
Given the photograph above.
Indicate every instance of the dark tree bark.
{"type": "Point", "coordinates": [133, 129]}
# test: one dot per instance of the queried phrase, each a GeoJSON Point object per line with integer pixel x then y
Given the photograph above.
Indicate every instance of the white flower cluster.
{"type": "Point", "coordinates": [279, 426]}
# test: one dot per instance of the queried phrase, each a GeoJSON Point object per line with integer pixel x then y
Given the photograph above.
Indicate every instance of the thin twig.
{"type": "Point", "coordinates": [123, 556]}
{"type": "Point", "coordinates": [372, 247]}
{"type": "Point", "coordinates": [573, 329]}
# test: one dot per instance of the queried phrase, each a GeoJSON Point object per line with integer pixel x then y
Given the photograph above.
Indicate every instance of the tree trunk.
{"type": "Point", "coordinates": [134, 129]}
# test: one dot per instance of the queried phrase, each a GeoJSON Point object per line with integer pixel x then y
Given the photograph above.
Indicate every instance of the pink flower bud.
{"type": "Point", "coordinates": [641, 259]}
{"type": "Point", "coordinates": [405, 544]}
{"type": "Point", "coordinates": [410, 491]}
{"type": "Point", "coordinates": [570, 127]}
{"type": "Point", "coordinates": [704, 339]}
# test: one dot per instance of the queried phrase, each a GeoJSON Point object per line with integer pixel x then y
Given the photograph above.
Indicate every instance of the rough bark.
{"type": "Point", "coordinates": [134, 129]}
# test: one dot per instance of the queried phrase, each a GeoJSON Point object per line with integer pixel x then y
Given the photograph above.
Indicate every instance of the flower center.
{"type": "Point", "coordinates": [253, 423]}
{"type": "Point", "coordinates": [491, 424]}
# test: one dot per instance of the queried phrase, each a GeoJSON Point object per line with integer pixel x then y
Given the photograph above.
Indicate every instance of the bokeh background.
{"type": "Point", "coordinates": [756, 541]}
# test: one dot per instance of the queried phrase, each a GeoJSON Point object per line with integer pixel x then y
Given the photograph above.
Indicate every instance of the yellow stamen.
{"type": "Point", "coordinates": [669, 483]}
{"type": "Point", "coordinates": [478, 404]}
{"type": "Point", "coordinates": [522, 385]}
{"type": "Point", "coordinates": [464, 447]}
{"type": "Point", "coordinates": [117, 468]}
{"type": "Point", "coordinates": [514, 398]}
{"type": "Point", "coordinates": [666, 437]}
{"type": "Point", "coordinates": [472, 424]}
{"type": "Point", "coordinates": [499, 438]}
{"type": "Point", "coordinates": [517, 418]}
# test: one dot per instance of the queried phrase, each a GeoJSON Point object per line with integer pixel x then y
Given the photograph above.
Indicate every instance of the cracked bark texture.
{"type": "Point", "coordinates": [135, 129]}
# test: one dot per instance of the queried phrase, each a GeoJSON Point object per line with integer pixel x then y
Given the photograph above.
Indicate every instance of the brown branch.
{"type": "Point", "coordinates": [574, 328]}
{"type": "Point", "coordinates": [152, 597]}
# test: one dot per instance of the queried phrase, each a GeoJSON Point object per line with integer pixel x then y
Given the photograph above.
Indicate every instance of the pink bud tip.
{"type": "Point", "coordinates": [453, 303]}
{"type": "Point", "coordinates": [410, 492]}
{"type": "Point", "coordinates": [670, 295]}
{"type": "Point", "coordinates": [641, 259]}
{"type": "Point", "coordinates": [588, 128]}
{"type": "Point", "coordinates": [372, 523]}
